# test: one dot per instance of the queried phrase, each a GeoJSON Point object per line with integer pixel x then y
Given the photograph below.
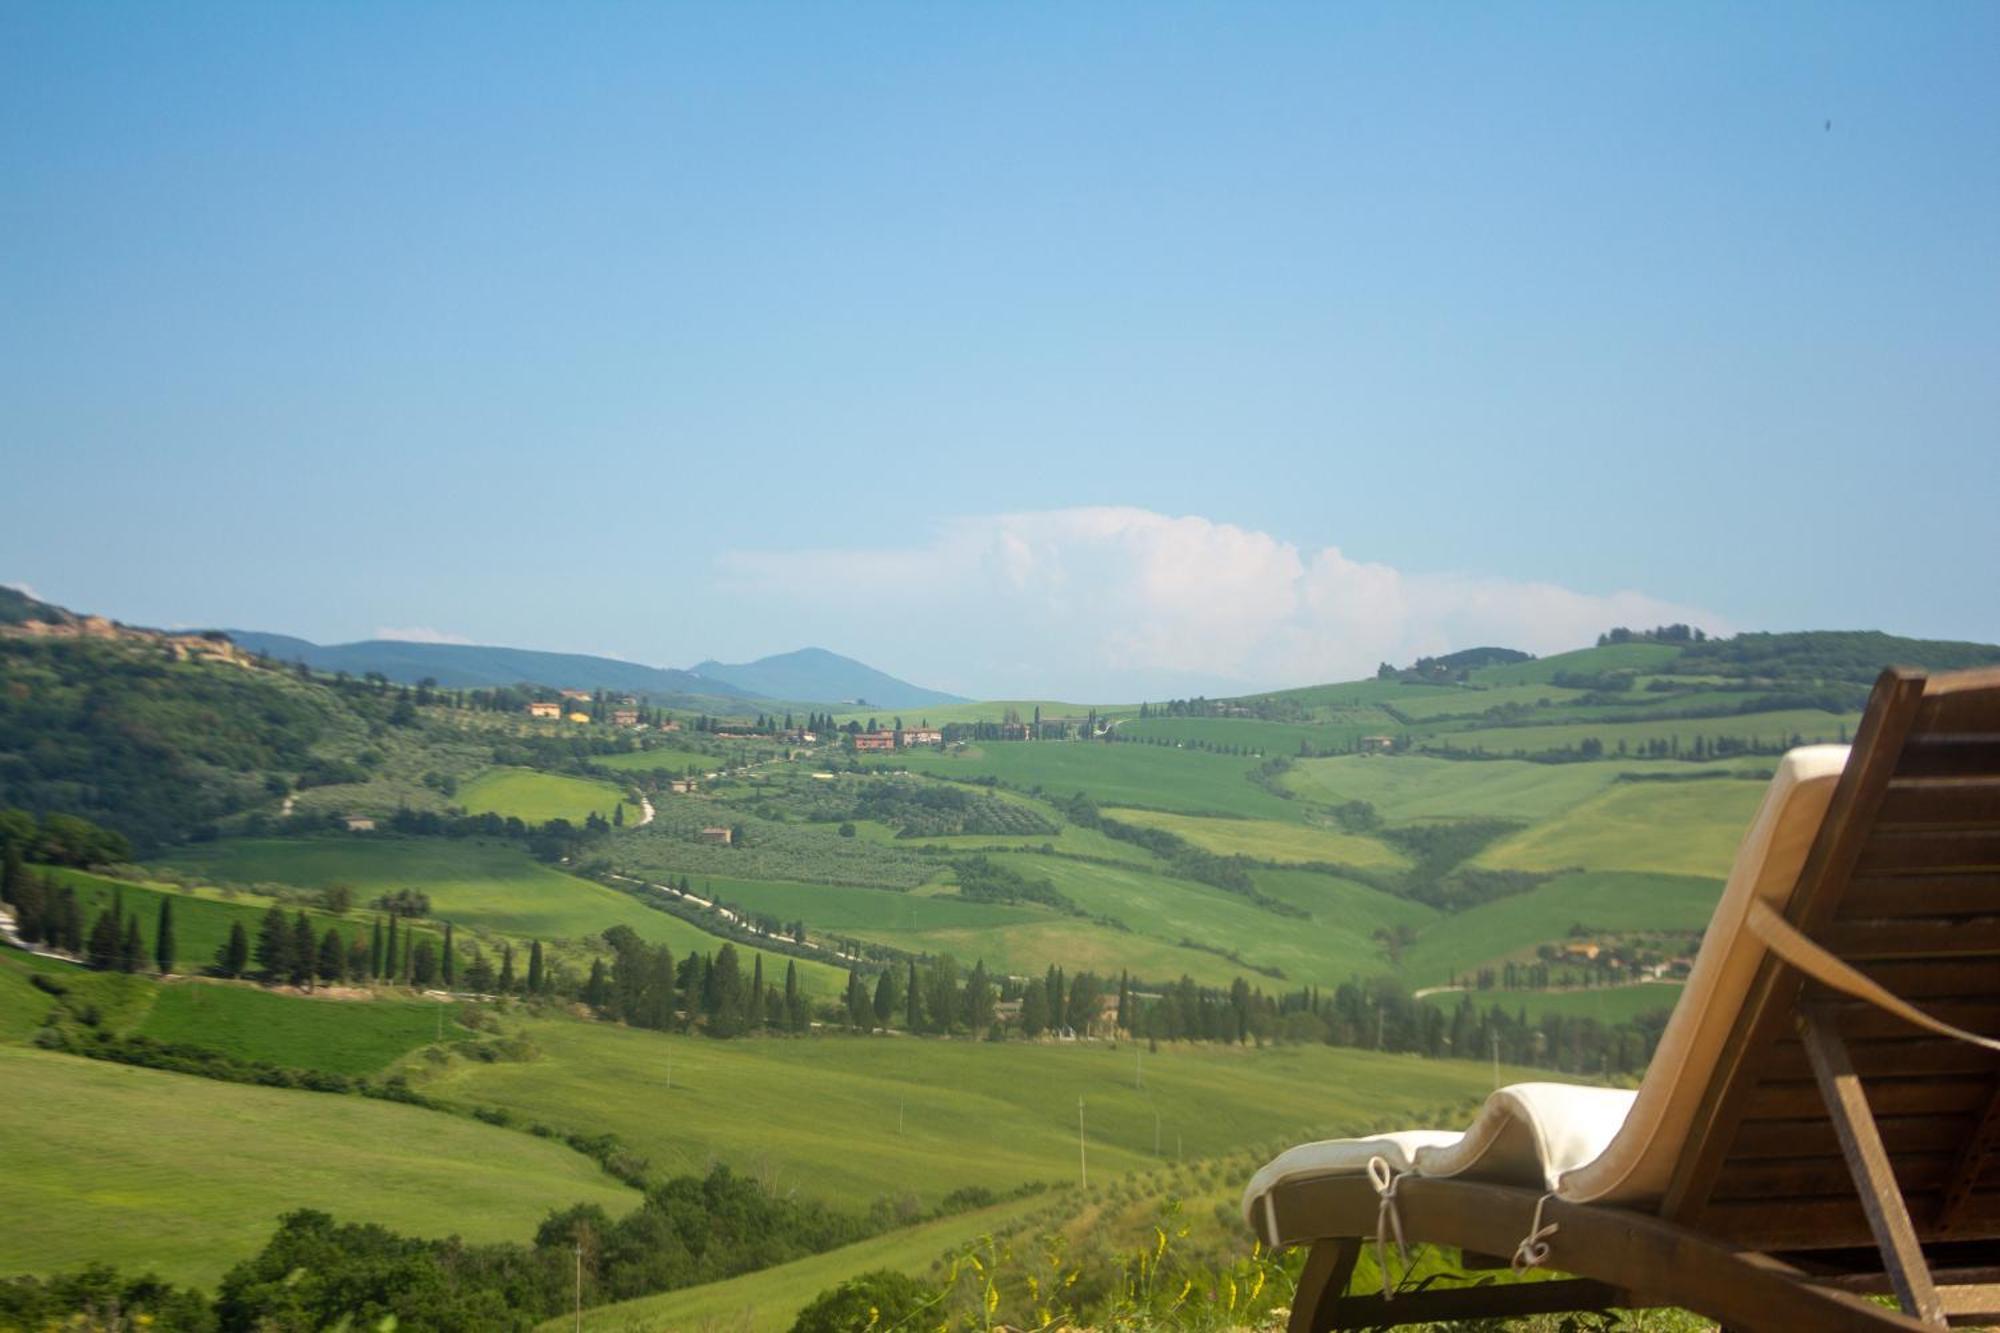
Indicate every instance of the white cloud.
{"type": "Point", "coordinates": [419, 634]}
{"type": "Point", "coordinates": [1108, 602]}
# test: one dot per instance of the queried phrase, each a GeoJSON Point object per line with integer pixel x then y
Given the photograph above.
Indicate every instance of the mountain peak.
{"type": "Point", "coordinates": [819, 675]}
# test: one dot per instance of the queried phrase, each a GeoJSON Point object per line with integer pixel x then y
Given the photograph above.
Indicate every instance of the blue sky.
{"type": "Point", "coordinates": [1066, 349]}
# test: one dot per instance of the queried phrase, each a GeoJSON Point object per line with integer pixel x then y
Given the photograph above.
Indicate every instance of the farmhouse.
{"type": "Point", "coordinates": [577, 694]}
{"type": "Point", "coordinates": [875, 740]}
{"type": "Point", "coordinates": [359, 824]}
{"type": "Point", "coordinates": [625, 717]}
{"type": "Point", "coordinates": [579, 717]}
{"type": "Point", "coordinates": [1376, 744]}
{"type": "Point", "coordinates": [720, 836]}
{"type": "Point", "coordinates": [544, 709]}
{"type": "Point", "coordinates": [680, 786]}
{"type": "Point", "coordinates": [923, 736]}
{"type": "Point", "coordinates": [670, 725]}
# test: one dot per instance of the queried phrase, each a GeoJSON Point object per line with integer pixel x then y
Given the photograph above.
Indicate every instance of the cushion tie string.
{"type": "Point", "coordinates": [1385, 1179]}
{"type": "Point", "coordinates": [1533, 1251]}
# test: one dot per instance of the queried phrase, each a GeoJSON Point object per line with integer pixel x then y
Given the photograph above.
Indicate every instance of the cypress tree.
{"type": "Point", "coordinates": [13, 872]}
{"type": "Point", "coordinates": [132, 953]}
{"type": "Point", "coordinates": [448, 964]}
{"type": "Point", "coordinates": [375, 952]}
{"type": "Point", "coordinates": [423, 963]}
{"type": "Point", "coordinates": [756, 1007]}
{"type": "Point", "coordinates": [885, 996]}
{"type": "Point", "coordinates": [535, 968]}
{"type": "Point", "coordinates": [103, 949]}
{"type": "Point", "coordinates": [33, 914]}
{"type": "Point", "coordinates": [594, 989]}
{"type": "Point", "coordinates": [234, 955]}
{"type": "Point", "coordinates": [913, 1014]}
{"type": "Point", "coordinates": [332, 957]}
{"type": "Point", "coordinates": [274, 945]}
{"type": "Point", "coordinates": [163, 936]}
{"type": "Point", "coordinates": [507, 967]}
{"type": "Point", "coordinates": [72, 918]}
{"type": "Point", "coordinates": [305, 951]}
{"type": "Point", "coordinates": [388, 970]}
{"type": "Point", "coordinates": [795, 1009]}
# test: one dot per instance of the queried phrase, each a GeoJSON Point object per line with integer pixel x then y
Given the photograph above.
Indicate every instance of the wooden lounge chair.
{"type": "Point", "coordinates": [1821, 1119]}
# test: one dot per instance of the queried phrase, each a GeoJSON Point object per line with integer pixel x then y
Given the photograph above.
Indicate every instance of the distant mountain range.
{"type": "Point", "coordinates": [810, 675]}
{"type": "Point", "coordinates": [818, 676]}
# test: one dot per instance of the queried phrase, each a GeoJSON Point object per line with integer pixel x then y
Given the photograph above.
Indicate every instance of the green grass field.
{"type": "Point", "coordinates": [1189, 781]}
{"type": "Point", "coordinates": [821, 1116]}
{"type": "Point", "coordinates": [536, 798]}
{"type": "Point", "coordinates": [22, 1005]}
{"type": "Point", "coordinates": [1675, 828]}
{"type": "Point", "coordinates": [1404, 788]}
{"type": "Point", "coordinates": [340, 1036]}
{"type": "Point", "coordinates": [1603, 901]}
{"type": "Point", "coordinates": [185, 1176]}
{"type": "Point", "coordinates": [1270, 840]}
{"type": "Point", "coordinates": [664, 759]}
{"type": "Point", "coordinates": [1809, 724]}
{"type": "Point", "coordinates": [474, 882]}
{"type": "Point", "coordinates": [1606, 1004]}
{"type": "Point", "coordinates": [1339, 731]}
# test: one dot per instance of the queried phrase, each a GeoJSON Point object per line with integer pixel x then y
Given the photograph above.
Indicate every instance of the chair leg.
{"type": "Point", "coordinates": [1322, 1282]}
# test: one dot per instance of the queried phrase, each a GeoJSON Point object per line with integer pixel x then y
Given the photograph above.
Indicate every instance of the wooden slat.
{"type": "Point", "coordinates": [1950, 757]}
{"type": "Point", "coordinates": [1917, 1096]}
{"type": "Point", "coordinates": [1827, 1177]}
{"type": "Point", "coordinates": [1961, 703]}
{"type": "Point", "coordinates": [1921, 895]}
{"type": "Point", "coordinates": [1912, 802]}
{"type": "Point", "coordinates": [1913, 979]}
{"type": "Point", "coordinates": [1918, 1055]}
{"type": "Point", "coordinates": [1859, 1019]}
{"type": "Point", "coordinates": [1759, 1139]}
{"type": "Point", "coordinates": [1929, 851]}
{"type": "Point", "coordinates": [1861, 939]}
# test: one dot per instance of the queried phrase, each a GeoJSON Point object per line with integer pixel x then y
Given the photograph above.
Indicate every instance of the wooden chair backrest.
{"type": "Point", "coordinates": [1903, 882]}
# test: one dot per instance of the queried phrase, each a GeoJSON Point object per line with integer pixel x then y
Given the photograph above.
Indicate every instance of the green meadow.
{"type": "Point", "coordinates": [664, 759]}
{"type": "Point", "coordinates": [184, 1176]}
{"type": "Point", "coordinates": [854, 1118]}
{"type": "Point", "coordinates": [1157, 777]}
{"type": "Point", "coordinates": [1456, 944]}
{"type": "Point", "coordinates": [1675, 828]}
{"type": "Point", "coordinates": [536, 798]}
{"type": "Point", "coordinates": [1810, 725]}
{"type": "Point", "coordinates": [1270, 840]}
{"type": "Point", "coordinates": [340, 1036]}
{"type": "Point", "coordinates": [1606, 1004]}
{"type": "Point", "coordinates": [1404, 788]}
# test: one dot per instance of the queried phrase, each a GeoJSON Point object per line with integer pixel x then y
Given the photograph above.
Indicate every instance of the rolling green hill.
{"type": "Point", "coordinates": [184, 1176]}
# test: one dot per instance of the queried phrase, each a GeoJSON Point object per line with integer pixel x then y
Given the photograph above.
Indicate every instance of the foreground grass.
{"type": "Point", "coordinates": [822, 1116]}
{"type": "Point", "coordinates": [768, 1301]}
{"type": "Point", "coordinates": [185, 1176]}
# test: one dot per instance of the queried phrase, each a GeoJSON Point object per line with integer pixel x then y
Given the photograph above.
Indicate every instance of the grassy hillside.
{"type": "Point", "coordinates": [1188, 781]}
{"type": "Point", "coordinates": [1679, 828]}
{"type": "Point", "coordinates": [340, 1036]}
{"type": "Point", "coordinates": [821, 1116]}
{"type": "Point", "coordinates": [1270, 839]}
{"type": "Point", "coordinates": [184, 1176]}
